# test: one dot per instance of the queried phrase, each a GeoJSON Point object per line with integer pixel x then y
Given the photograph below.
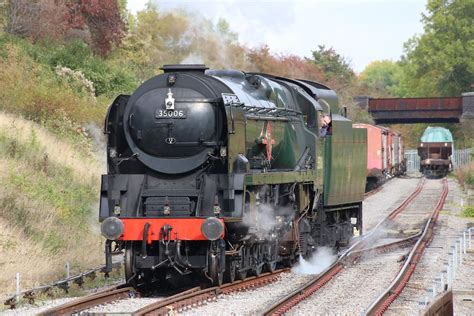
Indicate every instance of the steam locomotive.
{"type": "Point", "coordinates": [220, 173]}
{"type": "Point", "coordinates": [435, 150]}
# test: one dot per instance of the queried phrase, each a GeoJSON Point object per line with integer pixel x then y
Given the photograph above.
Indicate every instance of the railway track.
{"type": "Point", "coordinates": [382, 303]}
{"type": "Point", "coordinates": [108, 295]}
{"type": "Point", "coordinates": [176, 302]}
{"type": "Point", "coordinates": [360, 249]}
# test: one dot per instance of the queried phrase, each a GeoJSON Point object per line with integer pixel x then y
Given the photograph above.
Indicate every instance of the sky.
{"type": "Point", "coordinates": [360, 30]}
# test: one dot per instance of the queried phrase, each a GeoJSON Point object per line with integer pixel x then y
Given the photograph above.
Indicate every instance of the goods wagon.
{"type": "Point", "coordinates": [435, 150]}
{"type": "Point", "coordinates": [385, 153]}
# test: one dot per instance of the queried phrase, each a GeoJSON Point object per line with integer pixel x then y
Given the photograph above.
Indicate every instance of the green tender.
{"type": "Point", "coordinates": [345, 163]}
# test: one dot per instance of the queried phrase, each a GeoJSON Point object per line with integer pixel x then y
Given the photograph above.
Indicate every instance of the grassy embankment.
{"type": "Point", "coordinates": [50, 164]}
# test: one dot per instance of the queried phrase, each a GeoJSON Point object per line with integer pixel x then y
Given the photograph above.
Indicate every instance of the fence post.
{"type": "Point", "coordinates": [17, 286]}
{"type": "Point", "coordinates": [470, 235]}
{"type": "Point", "coordinates": [67, 271]}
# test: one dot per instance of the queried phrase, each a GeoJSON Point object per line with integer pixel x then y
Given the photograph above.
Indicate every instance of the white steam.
{"type": "Point", "coordinates": [193, 59]}
{"type": "Point", "coordinates": [319, 261]}
{"type": "Point", "coordinates": [99, 145]}
{"type": "Point", "coordinates": [264, 220]}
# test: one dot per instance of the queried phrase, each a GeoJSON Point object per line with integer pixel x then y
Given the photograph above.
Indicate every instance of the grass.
{"type": "Point", "coordinates": [465, 175]}
{"type": "Point", "coordinates": [48, 204]}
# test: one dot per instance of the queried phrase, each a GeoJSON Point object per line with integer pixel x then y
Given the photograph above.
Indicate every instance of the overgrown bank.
{"type": "Point", "coordinates": [48, 202]}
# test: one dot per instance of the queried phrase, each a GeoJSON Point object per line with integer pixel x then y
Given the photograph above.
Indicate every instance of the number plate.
{"type": "Point", "coordinates": [166, 114]}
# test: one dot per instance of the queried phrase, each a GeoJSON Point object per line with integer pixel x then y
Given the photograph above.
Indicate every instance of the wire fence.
{"type": "Point", "coordinates": [31, 294]}
{"type": "Point", "coordinates": [460, 158]}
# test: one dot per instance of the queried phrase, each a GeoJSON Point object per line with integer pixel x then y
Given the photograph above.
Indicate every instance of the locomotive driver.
{"type": "Point", "coordinates": [325, 125]}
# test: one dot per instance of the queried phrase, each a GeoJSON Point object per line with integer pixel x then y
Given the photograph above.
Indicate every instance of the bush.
{"type": "Point", "coordinates": [465, 175]}
{"type": "Point", "coordinates": [77, 55]}
{"type": "Point", "coordinates": [35, 91]}
{"type": "Point", "coordinates": [468, 211]}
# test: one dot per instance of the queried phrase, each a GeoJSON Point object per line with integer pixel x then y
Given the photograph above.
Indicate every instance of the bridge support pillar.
{"type": "Point", "coordinates": [468, 105]}
{"type": "Point", "coordinates": [362, 101]}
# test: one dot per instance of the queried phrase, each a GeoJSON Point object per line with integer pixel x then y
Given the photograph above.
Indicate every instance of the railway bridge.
{"type": "Point", "coordinates": [419, 110]}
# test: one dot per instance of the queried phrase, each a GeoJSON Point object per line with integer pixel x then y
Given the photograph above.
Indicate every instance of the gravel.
{"type": "Point", "coordinates": [354, 288]}
{"type": "Point", "coordinates": [123, 306]}
{"type": "Point", "coordinates": [393, 193]}
{"type": "Point", "coordinates": [253, 301]}
{"type": "Point", "coordinates": [39, 307]}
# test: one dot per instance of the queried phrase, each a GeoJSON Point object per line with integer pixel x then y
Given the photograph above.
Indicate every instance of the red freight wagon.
{"type": "Point", "coordinates": [385, 153]}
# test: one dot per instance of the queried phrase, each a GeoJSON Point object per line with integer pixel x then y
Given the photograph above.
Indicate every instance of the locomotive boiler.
{"type": "Point", "coordinates": [220, 173]}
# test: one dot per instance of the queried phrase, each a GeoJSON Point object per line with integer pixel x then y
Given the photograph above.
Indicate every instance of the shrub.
{"type": "Point", "coordinates": [468, 211]}
{"type": "Point", "coordinates": [36, 92]}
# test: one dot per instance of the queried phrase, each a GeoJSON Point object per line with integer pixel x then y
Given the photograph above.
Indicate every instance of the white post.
{"type": "Point", "coordinates": [450, 272]}
{"type": "Point", "coordinates": [67, 270]}
{"type": "Point", "coordinates": [464, 242]}
{"type": "Point", "coordinates": [442, 282]}
{"type": "Point", "coordinates": [455, 256]}
{"type": "Point", "coordinates": [451, 276]}
{"type": "Point", "coordinates": [470, 243]}
{"type": "Point", "coordinates": [460, 251]}
{"type": "Point", "coordinates": [434, 290]}
{"type": "Point", "coordinates": [17, 285]}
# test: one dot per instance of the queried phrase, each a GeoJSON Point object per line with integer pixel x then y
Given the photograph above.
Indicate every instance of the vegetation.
{"type": "Point", "coordinates": [468, 211]}
{"type": "Point", "coordinates": [465, 175]}
{"type": "Point", "coordinates": [49, 191]}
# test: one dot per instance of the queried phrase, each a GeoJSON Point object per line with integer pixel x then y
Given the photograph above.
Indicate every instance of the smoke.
{"type": "Point", "coordinates": [319, 261]}
{"type": "Point", "coordinates": [99, 145]}
{"type": "Point", "coordinates": [192, 59]}
{"type": "Point", "coordinates": [265, 220]}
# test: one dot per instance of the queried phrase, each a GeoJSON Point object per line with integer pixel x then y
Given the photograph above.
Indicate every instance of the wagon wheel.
{"type": "Point", "coordinates": [131, 275]}
{"type": "Point", "coordinates": [270, 266]}
{"type": "Point", "coordinates": [215, 272]}
{"type": "Point", "coordinates": [257, 269]}
{"type": "Point", "coordinates": [241, 274]}
{"type": "Point", "coordinates": [230, 271]}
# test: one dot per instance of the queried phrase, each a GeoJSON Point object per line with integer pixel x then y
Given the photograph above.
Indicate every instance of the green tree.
{"type": "Point", "coordinates": [381, 77]}
{"type": "Point", "coordinates": [441, 60]}
{"type": "Point", "coordinates": [334, 65]}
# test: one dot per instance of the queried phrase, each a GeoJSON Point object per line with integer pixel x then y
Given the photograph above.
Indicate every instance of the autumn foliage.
{"type": "Point", "coordinates": [97, 22]}
{"type": "Point", "coordinates": [101, 17]}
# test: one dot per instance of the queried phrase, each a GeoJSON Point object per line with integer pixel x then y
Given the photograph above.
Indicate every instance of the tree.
{"type": "Point", "coordinates": [36, 19]}
{"type": "Point", "coordinates": [334, 65]}
{"type": "Point", "coordinates": [99, 23]}
{"type": "Point", "coordinates": [381, 77]}
{"type": "Point", "coordinates": [440, 62]}
{"type": "Point", "coordinates": [104, 20]}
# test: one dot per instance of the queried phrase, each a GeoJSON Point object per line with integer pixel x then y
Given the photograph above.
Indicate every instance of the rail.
{"type": "Point", "coordinates": [182, 301]}
{"type": "Point", "coordinates": [106, 296]}
{"type": "Point", "coordinates": [382, 303]}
